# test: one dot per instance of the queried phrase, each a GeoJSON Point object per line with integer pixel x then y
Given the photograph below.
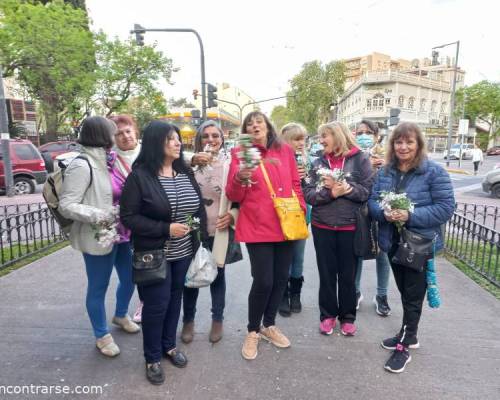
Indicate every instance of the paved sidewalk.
{"type": "Point", "coordinates": [45, 339]}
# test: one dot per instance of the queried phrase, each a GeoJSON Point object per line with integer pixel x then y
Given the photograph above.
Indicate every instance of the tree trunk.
{"type": "Point", "coordinates": [51, 125]}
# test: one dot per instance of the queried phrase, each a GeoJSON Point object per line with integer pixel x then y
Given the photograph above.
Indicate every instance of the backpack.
{"type": "Point", "coordinates": [52, 189]}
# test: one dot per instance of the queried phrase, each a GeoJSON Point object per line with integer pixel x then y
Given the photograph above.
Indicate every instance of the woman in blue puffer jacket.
{"type": "Point", "coordinates": [428, 186]}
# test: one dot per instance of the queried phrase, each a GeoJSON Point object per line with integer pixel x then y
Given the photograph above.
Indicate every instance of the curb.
{"type": "Point", "coordinates": [458, 171]}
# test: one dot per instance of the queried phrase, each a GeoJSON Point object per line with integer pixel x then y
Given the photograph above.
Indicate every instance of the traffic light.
{"type": "Point", "coordinates": [139, 34]}
{"type": "Point", "coordinates": [394, 116]}
{"type": "Point", "coordinates": [435, 55]}
{"type": "Point", "coordinates": [196, 118]}
{"type": "Point", "coordinates": [195, 93]}
{"type": "Point", "coordinates": [212, 95]}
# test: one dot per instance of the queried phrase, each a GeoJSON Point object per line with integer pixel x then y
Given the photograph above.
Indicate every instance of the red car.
{"type": "Point", "coordinates": [494, 151]}
{"type": "Point", "coordinates": [28, 166]}
{"type": "Point", "coordinates": [61, 147]}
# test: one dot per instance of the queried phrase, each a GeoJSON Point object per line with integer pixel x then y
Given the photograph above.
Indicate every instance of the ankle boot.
{"type": "Point", "coordinates": [284, 309]}
{"type": "Point", "coordinates": [295, 289]}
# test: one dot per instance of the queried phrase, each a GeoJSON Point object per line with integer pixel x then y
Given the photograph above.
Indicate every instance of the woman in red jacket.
{"type": "Point", "coordinates": [258, 226]}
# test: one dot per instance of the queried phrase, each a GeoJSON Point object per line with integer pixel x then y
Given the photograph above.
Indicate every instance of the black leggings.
{"type": "Point", "coordinates": [270, 263]}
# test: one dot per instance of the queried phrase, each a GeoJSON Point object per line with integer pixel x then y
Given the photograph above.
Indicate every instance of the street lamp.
{"type": "Point", "coordinates": [453, 87]}
{"type": "Point", "coordinates": [139, 30]}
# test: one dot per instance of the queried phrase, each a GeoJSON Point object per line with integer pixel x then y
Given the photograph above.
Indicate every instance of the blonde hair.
{"type": "Point", "coordinates": [293, 131]}
{"type": "Point", "coordinates": [343, 139]}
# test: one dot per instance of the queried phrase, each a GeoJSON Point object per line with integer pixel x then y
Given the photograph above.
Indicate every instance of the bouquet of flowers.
{"type": "Point", "coordinates": [249, 156]}
{"type": "Point", "coordinates": [106, 229]}
{"type": "Point", "coordinates": [396, 201]}
{"type": "Point", "coordinates": [337, 174]}
{"type": "Point", "coordinates": [194, 224]}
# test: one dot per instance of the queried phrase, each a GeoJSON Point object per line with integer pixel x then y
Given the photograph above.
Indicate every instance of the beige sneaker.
{"type": "Point", "coordinates": [126, 324]}
{"type": "Point", "coordinates": [273, 334]}
{"type": "Point", "coordinates": [107, 346]}
{"type": "Point", "coordinates": [250, 346]}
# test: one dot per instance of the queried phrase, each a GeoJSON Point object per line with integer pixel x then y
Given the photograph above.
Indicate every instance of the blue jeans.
{"type": "Point", "coordinates": [162, 307]}
{"type": "Point", "coordinates": [218, 294]}
{"type": "Point", "coordinates": [99, 270]}
{"type": "Point", "coordinates": [383, 271]}
{"type": "Point", "coordinates": [297, 267]}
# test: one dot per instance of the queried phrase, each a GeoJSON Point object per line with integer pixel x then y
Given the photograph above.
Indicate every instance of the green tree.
{"type": "Point", "coordinates": [50, 51]}
{"type": "Point", "coordinates": [126, 70]}
{"type": "Point", "coordinates": [313, 90]}
{"type": "Point", "coordinates": [146, 109]}
{"type": "Point", "coordinates": [482, 101]}
{"type": "Point", "coordinates": [280, 115]}
{"type": "Point", "coordinates": [180, 103]}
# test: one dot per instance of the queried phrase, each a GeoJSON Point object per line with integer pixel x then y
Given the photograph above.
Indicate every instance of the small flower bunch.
{"type": "Point", "coordinates": [249, 156]}
{"type": "Point", "coordinates": [107, 229]}
{"type": "Point", "coordinates": [336, 174]}
{"type": "Point", "coordinates": [194, 224]}
{"type": "Point", "coordinates": [396, 201]}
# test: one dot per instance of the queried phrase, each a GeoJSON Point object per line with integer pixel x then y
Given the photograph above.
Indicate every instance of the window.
{"type": "Point", "coordinates": [433, 105]}
{"type": "Point", "coordinates": [378, 101]}
{"type": "Point", "coordinates": [401, 101]}
{"type": "Point", "coordinates": [25, 152]}
{"type": "Point", "coordinates": [55, 147]}
{"type": "Point", "coordinates": [411, 102]}
{"type": "Point", "coordinates": [443, 106]}
{"type": "Point", "coordinates": [422, 104]}
{"type": "Point", "coordinates": [387, 101]}
{"type": "Point", "coordinates": [369, 104]}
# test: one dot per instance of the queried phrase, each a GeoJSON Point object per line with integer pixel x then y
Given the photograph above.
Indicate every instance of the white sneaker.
{"type": "Point", "coordinates": [126, 324]}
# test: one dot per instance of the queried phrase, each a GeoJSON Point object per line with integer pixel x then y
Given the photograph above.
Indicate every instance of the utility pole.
{"type": "Point", "coordinates": [5, 137]}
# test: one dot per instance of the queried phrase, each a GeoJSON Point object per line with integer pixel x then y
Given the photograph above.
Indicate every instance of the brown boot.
{"type": "Point", "coordinates": [215, 332]}
{"type": "Point", "coordinates": [187, 333]}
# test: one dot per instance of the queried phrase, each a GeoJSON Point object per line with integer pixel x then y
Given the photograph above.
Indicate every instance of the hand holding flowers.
{"type": "Point", "coordinates": [249, 157]}
{"type": "Point", "coordinates": [397, 207]}
{"type": "Point", "coordinates": [106, 228]}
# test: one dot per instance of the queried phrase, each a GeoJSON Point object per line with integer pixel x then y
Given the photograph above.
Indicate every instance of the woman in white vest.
{"type": "Point", "coordinates": [221, 215]}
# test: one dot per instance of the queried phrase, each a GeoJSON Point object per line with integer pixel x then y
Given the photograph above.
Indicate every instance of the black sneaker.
{"type": "Point", "coordinates": [359, 299]}
{"type": "Point", "coordinates": [381, 306]}
{"type": "Point", "coordinates": [398, 360]}
{"type": "Point", "coordinates": [154, 373]}
{"type": "Point", "coordinates": [391, 343]}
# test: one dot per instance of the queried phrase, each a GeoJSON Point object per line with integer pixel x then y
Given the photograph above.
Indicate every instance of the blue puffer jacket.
{"type": "Point", "coordinates": [430, 189]}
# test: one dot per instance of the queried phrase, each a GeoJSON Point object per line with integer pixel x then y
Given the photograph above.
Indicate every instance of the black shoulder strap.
{"type": "Point", "coordinates": [402, 180]}
{"type": "Point", "coordinates": [81, 156]}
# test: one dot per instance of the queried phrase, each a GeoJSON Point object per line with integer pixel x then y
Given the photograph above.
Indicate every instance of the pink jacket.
{"type": "Point", "coordinates": [258, 221]}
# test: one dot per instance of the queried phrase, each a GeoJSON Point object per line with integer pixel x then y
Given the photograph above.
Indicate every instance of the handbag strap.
{"type": "Point", "coordinates": [268, 182]}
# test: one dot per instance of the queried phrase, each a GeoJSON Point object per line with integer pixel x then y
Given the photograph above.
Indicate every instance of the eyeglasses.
{"type": "Point", "coordinates": [364, 133]}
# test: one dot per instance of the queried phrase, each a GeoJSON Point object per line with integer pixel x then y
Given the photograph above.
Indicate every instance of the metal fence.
{"type": "Point", "coordinates": [485, 215]}
{"type": "Point", "coordinates": [475, 244]}
{"type": "Point", "coordinates": [26, 229]}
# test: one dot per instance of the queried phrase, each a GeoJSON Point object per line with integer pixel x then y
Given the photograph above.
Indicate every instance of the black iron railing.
{"type": "Point", "coordinates": [485, 215]}
{"type": "Point", "coordinates": [25, 230]}
{"type": "Point", "coordinates": [475, 244]}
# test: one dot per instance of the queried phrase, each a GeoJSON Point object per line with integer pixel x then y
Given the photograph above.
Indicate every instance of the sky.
{"type": "Point", "coordinates": [260, 45]}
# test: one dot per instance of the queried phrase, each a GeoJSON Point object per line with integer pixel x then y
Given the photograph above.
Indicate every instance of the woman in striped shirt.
{"type": "Point", "coordinates": [159, 198]}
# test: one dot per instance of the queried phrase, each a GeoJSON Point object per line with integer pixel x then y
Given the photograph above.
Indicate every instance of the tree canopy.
{"type": "Point", "coordinates": [280, 116]}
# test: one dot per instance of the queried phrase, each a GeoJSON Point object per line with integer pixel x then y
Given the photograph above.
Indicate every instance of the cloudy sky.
{"type": "Point", "coordinates": [259, 45]}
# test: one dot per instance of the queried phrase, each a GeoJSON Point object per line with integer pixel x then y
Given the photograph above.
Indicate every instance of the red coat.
{"type": "Point", "coordinates": [257, 220]}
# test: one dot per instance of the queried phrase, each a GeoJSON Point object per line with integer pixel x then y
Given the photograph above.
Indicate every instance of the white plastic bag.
{"type": "Point", "coordinates": [203, 269]}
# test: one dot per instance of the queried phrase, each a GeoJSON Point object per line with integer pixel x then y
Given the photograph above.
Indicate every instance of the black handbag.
{"type": "Point", "coordinates": [149, 267]}
{"type": "Point", "coordinates": [234, 253]}
{"type": "Point", "coordinates": [365, 236]}
{"type": "Point", "coordinates": [413, 250]}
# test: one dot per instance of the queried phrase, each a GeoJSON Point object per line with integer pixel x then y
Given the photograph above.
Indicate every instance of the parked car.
{"type": "Point", "coordinates": [28, 166]}
{"type": "Point", "coordinates": [494, 151]}
{"type": "Point", "coordinates": [491, 183]}
{"type": "Point", "coordinates": [455, 151]}
{"type": "Point", "coordinates": [60, 147]}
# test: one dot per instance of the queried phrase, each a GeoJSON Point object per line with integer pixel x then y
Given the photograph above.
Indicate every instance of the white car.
{"type": "Point", "coordinates": [455, 151]}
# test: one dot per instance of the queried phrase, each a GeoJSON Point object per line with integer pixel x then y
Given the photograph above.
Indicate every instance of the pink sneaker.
{"type": "Point", "coordinates": [326, 326]}
{"type": "Point", "coordinates": [348, 329]}
{"type": "Point", "coordinates": [137, 318]}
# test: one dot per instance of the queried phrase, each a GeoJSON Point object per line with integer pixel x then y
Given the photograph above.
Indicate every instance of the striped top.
{"type": "Point", "coordinates": [184, 201]}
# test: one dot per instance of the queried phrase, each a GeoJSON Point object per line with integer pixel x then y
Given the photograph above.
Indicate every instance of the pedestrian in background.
{"type": "Point", "coordinates": [92, 186]}
{"type": "Point", "coordinates": [428, 186]}
{"type": "Point", "coordinates": [367, 138]}
{"type": "Point", "coordinates": [212, 179]}
{"type": "Point", "coordinates": [295, 135]}
{"type": "Point", "coordinates": [477, 157]}
{"type": "Point", "coordinates": [259, 227]}
{"type": "Point", "coordinates": [158, 199]}
{"type": "Point", "coordinates": [127, 148]}
{"type": "Point", "coordinates": [333, 223]}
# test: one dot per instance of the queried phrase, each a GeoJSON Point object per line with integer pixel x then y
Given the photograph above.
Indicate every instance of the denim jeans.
{"type": "Point", "coordinates": [99, 270]}
{"type": "Point", "coordinates": [162, 307]}
{"type": "Point", "coordinates": [297, 267]}
{"type": "Point", "coordinates": [217, 292]}
{"type": "Point", "coordinates": [383, 270]}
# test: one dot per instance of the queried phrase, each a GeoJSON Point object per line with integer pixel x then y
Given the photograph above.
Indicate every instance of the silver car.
{"type": "Point", "coordinates": [491, 182]}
